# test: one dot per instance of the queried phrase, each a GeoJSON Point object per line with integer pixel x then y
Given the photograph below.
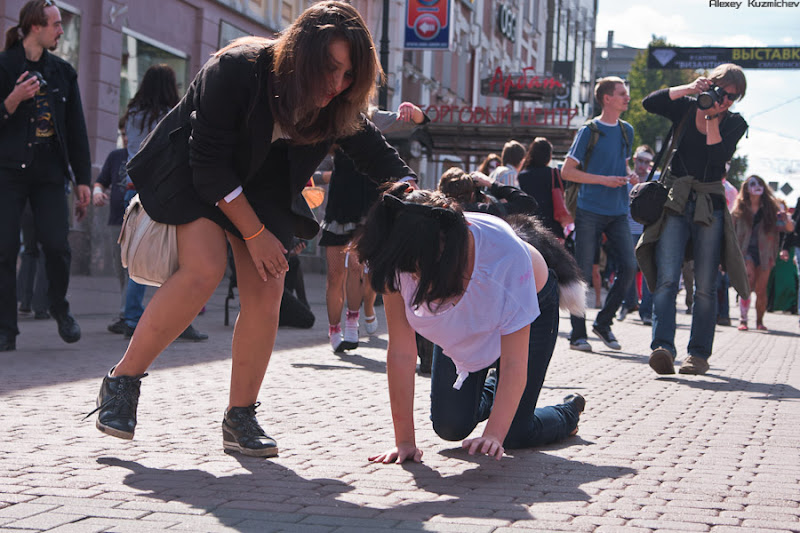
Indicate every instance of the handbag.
{"type": "Point", "coordinates": [647, 198]}
{"type": "Point", "coordinates": [149, 249]}
{"type": "Point", "coordinates": [560, 212]}
{"type": "Point", "coordinates": [314, 195]}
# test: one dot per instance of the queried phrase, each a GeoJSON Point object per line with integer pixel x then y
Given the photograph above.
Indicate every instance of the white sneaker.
{"type": "Point", "coordinates": [336, 341]}
{"type": "Point", "coordinates": [350, 341]}
{"type": "Point", "coordinates": [371, 324]}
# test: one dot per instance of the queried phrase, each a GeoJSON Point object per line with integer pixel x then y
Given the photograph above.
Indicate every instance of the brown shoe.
{"type": "Point", "coordinates": [694, 365]}
{"type": "Point", "coordinates": [662, 362]}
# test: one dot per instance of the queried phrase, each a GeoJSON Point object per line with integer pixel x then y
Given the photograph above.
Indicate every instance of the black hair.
{"type": "Point", "coordinates": [418, 232]}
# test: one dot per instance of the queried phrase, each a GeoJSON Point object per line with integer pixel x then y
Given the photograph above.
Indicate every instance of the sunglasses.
{"type": "Point", "coordinates": [731, 96]}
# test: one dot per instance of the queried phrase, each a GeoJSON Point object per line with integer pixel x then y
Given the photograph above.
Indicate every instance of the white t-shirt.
{"type": "Point", "coordinates": [500, 299]}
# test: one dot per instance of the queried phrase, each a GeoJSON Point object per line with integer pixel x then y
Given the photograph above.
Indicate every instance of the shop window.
{"type": "Point", "coordinates": [69, 44]}
{"type": "Point", "coordinates": [138, 54]}
{"type": "Point", "coordinates": [267, 12]}
{"type": "Point", "coordinates": [228, 32]}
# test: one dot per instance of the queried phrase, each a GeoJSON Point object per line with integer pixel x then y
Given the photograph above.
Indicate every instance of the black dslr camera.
{"type": "Point", "coordinates": [38, 76]}
{"type": "Point", "coordinates": [707, 99]}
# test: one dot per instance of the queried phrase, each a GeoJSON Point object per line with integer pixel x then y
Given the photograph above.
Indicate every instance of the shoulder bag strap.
{"type": "Point", "coordinates": [674, 137]}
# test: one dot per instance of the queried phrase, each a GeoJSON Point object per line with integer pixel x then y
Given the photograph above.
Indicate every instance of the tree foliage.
{"type": "Point", "coordinates": [738, 171]}
{"type": "Point", "coordinates": [647, 126]}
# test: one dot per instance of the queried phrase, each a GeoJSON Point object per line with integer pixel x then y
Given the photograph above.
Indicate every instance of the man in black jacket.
{"type": "Point", "coordinates": [42, 134]}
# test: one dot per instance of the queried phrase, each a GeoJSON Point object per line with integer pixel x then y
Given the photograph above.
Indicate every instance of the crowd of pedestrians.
{"type": "Point", "coordinates": [477, 268]}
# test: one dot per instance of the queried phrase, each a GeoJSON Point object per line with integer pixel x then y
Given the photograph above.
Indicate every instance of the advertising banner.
{"type": "Point", "coordinates": [667, 57]}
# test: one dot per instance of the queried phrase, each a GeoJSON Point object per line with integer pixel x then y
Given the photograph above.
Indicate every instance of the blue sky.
{"type": "Point", "coordinates": [772, 103]}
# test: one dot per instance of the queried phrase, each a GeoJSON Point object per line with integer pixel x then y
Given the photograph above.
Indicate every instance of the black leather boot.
{"type": "Point", "coordinates": [241, 433]}
{"type": "Point", "coordinates": [68, 327]}
{"type": "Point", "coordinates": [116, 403]}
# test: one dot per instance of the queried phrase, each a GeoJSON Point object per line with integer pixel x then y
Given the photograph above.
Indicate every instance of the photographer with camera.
{"type": "Point", "coordinates": [695, 213]}
{"type": "Point", "coordinates": [476, 191]}
{"type": "Point", "coordinates": [42, 135]}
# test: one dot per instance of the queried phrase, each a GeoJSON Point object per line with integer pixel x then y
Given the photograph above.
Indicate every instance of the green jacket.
{"type": "Point", "coordinates": [679, 191]}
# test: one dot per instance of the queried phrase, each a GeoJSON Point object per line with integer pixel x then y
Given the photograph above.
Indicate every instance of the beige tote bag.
{"type": "Point", "coordinates": [149, 249]}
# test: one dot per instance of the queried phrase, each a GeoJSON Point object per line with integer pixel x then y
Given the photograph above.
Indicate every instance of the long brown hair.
{"type": "Point", "coordinates": [768, 204]}
{"type": "Point", "coordinates": [540, 152]}
{"type": "Point", "coordinates": [484, 166]}
{"type": "Point", "coordinates": [302, 57]}
{"type": "Point", "coordinates": [32, 13]}
{"type": "Point", "coordinates": [156, 95]}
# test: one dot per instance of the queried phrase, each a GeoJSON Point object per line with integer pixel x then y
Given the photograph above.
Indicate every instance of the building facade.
{"type": "Point", "coordinates": [509, 69]}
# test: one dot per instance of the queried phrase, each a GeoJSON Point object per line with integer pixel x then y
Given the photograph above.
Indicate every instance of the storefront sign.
{"type": "Point", "coordinates": [528, 116]}
{"type": "Point", "coordinates": [507, 22]}
{"type": "Point", "coordinates": [427, 25]}
{"type": "Point", "coordinates": [708, 58]}
{"type": "Point", "coordinates": [523, 85]}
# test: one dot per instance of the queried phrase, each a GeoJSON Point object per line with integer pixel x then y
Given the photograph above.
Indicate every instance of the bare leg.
{"type": "Point", "coordinates": [597, 283]}
{"type": "Point", "coordinates": [353, 288]}
{"type": "Point", "coordinates": [256, 327]}
{"type": "Point", "coordinates": [744, 303]}
{"type": "Point", "coordinates": [201, 266]}
{"type": "Point", "coordinates": [762, 277]}
{"type": "Point", "coordinates": [369, 296]}
{"type": "Point", "coordinates": [334, 283]}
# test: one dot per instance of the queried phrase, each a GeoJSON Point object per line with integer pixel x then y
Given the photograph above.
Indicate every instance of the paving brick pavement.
{"type": "Point", "coordinates": [714, 453]}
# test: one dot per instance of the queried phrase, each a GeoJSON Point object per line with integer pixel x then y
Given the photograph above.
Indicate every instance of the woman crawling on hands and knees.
{"type": "Point", "coordinates": [488, 301]}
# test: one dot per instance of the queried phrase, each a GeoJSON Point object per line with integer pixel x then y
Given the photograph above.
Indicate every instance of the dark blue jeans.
{"type": "Point", "coordinates": [588, 229]}
{"type": "Point", "coordinates": [706, 243]}
{"type": "Point", "coordinates": [646, 306]}
{"type": "Point", "coordinates": [723, 300]}
{"type": "Point", "coordinates": [134, 303]}
{"type": "Point", "coordinates": [455, 413]}
{"type": "Point", "coordinates": [631, 300]}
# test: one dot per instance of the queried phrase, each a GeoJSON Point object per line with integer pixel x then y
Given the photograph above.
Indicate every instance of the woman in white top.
{"type": "Point", "coordinates": [470, 285]}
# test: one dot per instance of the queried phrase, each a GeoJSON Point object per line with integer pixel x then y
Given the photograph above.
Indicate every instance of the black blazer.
{"type": "Point", "coordinates": [219, 137]}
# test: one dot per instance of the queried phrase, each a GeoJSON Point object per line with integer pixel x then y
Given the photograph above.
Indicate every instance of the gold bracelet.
{"type": "Point", "coordinates": [256, 234]}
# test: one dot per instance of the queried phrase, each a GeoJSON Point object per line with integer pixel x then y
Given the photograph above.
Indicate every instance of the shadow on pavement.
{"type": "Point", "coordinates": [762, 391]}
{"type": "Point", "coordinates": [269, 497]}
{"type": "Point", "coordinates": [271, 494]}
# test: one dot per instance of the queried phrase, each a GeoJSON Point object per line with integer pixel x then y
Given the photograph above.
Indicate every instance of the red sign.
{"type": "Point", "coordinates": [528, 116]}
{"type": "Point", "coordinates": [521, 86]}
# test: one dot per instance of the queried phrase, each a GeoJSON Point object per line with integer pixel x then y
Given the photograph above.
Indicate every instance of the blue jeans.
{"type": "Point", "coordinates": [646, 306]}
{"type": "Point", "coordinates": [134, 296]}
{"type": "Point", "coordinates": [588, 229]}
{"type": "Point", "coordinates": [631, 300]}
{"type": "Point", "coordinates": [706, 243]}
{"type": "Point", "coordinates": [723, 300]}
{"type": "Point", "coordinates": [456, 412]}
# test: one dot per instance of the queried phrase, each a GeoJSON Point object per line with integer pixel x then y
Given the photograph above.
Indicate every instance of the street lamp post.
{"type": "Point", "coordinates": [584, 93]}
{"type": "Point", "coordinates": [383, 94]}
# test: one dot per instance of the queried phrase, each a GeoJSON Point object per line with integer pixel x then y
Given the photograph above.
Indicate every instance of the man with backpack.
{"type": "Point", "coordinates": [598, 161]}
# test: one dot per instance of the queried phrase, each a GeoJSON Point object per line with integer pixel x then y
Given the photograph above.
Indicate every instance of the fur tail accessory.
{"type": "Point", "coordinates": [571, 286]}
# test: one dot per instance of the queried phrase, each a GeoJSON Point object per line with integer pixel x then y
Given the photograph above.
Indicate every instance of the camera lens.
{"type": "Point", "coordinates": [705, 100]}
